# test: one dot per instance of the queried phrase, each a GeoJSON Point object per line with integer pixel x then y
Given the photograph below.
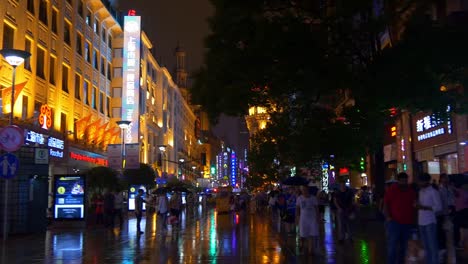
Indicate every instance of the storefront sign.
{"type": "Point", "coordinates": [69, 197]}
{"type": "Point", "coordinates": [131, 77]}
{"type": "Point", "coordinates": [55, 145]}
{"type": "Point", "coordinates": [427, 123]}
{"type": "Point", "coordinates": [86, 158]}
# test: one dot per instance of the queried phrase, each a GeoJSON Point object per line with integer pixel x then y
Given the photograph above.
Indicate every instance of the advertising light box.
{"type": "Point", "coordinates": [69, 197]}
{"type": "Point", "coordinates": [133, 192]}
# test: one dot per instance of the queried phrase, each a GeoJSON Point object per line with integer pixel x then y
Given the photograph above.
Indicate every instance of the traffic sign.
{"type": "Point", "coordinates": [11, 138]}
{"type": "Point", "coordinates": [9, 164]}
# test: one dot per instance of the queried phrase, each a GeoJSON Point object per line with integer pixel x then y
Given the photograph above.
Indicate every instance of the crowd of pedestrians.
{"type": "Point", "coordinates": [429, 212]}
{"type": "Point", "coordinates": [432, 216]}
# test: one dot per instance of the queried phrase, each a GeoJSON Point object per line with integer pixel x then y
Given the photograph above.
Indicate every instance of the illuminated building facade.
{"type": "Point", "coordinates": [85, 74]}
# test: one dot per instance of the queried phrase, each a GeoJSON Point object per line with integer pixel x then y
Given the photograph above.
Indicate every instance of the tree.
{"type": "Point", "coordinates": [299, 60]}
{"type": "Point", "coordinates": [101, 178]}
{"type": "Point", "coordinates": [145, 175]}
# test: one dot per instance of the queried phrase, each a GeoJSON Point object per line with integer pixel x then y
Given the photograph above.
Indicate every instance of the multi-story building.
{"type": "Point", "coordinates": [86, 71]}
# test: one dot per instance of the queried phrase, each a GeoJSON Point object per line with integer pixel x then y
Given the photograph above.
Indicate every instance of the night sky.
{"type": "Point", "coordinates": [168, 22]}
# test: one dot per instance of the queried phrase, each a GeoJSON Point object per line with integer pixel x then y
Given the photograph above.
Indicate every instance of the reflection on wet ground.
{"type": "Point", "coordinates": [203, 236]}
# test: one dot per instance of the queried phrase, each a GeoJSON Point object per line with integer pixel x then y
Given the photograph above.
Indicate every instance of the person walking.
{"type": "Point", "coordinates": [163, 210]}
{"type": "Point", "coordinates": [308, 216]}
{"type": "Point", "coordinates": [460, 219]}
{"type": "Point", "coordinates": [344, 201]}
{"type": "Point", "coordinates": [399, 211]}
{"type": "Point", "coordinates": [118, 207]}
{"type": "Point", "coordinates": [98, 202]}
{"type": "Point", "coordinates": [175, 205]}
{"type": "Point", "coordinates": [139, 200]}
{"type": "Point", "coordinates": [447, 200]}
{"type": "Point", "coordinates": [428, 205]}
{"type": "Point", "coordinates": [109, 209]}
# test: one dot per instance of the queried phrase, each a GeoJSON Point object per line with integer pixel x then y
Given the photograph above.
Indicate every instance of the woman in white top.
{"type": "Point", "coordinates": [308, 216]}
{"type": "Point", "coordinates": [163, 209]}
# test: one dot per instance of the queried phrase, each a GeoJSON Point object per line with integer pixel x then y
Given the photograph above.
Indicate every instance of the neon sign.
{"type": "Point", "coordinates": [56, 146]}
{"type": "Point", "coordinates": [131, 77]}
{"type": "Point", "coordinates": [233, 168]}
{"type": "Point", "coordinates": [86, 158]}
{"type": "Point", "coordinates": [429, 122]}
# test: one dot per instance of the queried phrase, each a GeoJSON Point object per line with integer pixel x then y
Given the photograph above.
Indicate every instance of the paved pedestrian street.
{"type": "Point", "coordinates": [202, 237]}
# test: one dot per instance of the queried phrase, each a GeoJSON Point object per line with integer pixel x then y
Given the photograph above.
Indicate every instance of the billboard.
{"type": "Point", "coordinates": [69, 197]}
{"type": "Point", "coordinates": [131, 77]}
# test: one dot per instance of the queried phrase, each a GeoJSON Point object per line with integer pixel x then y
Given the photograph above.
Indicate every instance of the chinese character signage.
{"type": "Point", "coordinates": [55, 146]}
{"type": "Point", "coordinates": [428, 127]}
{"type": "Point", "coordinates": [429, 131]}
{"type": "Point", "coordinates": [233, 169]}
{"type": "Point", "coordinates": [131, 77]}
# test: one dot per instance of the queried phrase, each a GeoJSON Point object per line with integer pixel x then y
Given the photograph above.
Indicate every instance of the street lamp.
{"type": "Point", "coordinates": [14, 58]}
{"type": "Point", "coordinates": [162, 148]}
{"type": "Point", "coordinates": [123, 124]}
{"type": "Point", "coordinates": [181, 166]}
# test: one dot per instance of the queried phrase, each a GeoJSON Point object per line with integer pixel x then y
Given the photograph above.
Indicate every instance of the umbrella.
{"type": "Point", "coordinates": [391, 181]}
{"type": "Point", "coordinates": [296, 181]}
{"type": "Point", "coordinates": [162, 190]}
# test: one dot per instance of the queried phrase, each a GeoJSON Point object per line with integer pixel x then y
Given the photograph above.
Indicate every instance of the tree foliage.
{"type": "Point", "coordinates": [144, 175]}
{"type": "Point", "coordinates": [301, 60]}
{"type": "Point", "coordinates": [101, 178]}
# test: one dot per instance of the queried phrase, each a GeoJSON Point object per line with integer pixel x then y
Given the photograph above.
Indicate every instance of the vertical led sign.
{"type": "Point", "coordinates": [131, 77]}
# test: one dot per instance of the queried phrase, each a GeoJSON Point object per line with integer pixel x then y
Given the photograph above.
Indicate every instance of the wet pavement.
{"type": "Point", "coordinates": [203, 236]}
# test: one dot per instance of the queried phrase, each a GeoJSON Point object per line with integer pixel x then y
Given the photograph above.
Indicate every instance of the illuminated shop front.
{"type": "Point", "coordinates": [435, 144]}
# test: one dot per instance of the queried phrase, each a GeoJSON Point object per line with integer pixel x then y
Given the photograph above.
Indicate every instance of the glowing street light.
{"type": "Point", "coordinates": [14, 58]}
{"type": "Point", "coordinates": [123, 124]}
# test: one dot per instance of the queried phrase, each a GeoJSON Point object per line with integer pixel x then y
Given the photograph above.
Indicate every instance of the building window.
{"type": "Point", "coordinates": [65, 70]}
{"type": "Point", "coordinates": [117, 72]}
{"type": "Point", "coordinates": [77, 86]}
{"type": "Point", "coordinates": [104, 35]}
{"type": "Point", "coordinates": [116, 112]}
{"type": "Point", "coordinates": [101, 102]}
{"type": "Point", "coordinates": [63, 123]}
{"type": "Point", "coordinates": [40, 63]}
{"type": "Point", "coordinates": [8, 36]}
{"type": "Point", "coordinates": [43, 12]}
{"type": "Point", "coordinates": [117, 92]}
{"type": "Point", "coordinates": [88, 51]}
{"type": "Point", "coordinates": [79, 44]}
{"type": "Point", "coordinates": [109, 41]}
{"type": "Point", "coordinates": [86, 92]}
{"type": "Point", "coordinates": [80, 8]}
{"type": "Point", "coordinates": [88, 18]}
{"type": "Point", "coordinates": [27, 47]}
{"type": "Point", "coordinates": [109, 68]}
{"type": "Point", "coordinates": [95, 59]}
{"type": "Point", "coordinates": [53, 60]}
{"type": "Point", "coordinates": [96, 26]}
{"type": "Point", "coordinates": [54, 20]}
{"type": "Point", "coordinates": [24, 108]}
{"type": "Point", "coordinates": [94, 98]}
{"type": "Point", "coordinates": [67, 33]}
{"type": "Point", "coordinates": [118, 53]}
{"type": "Point", "coordinates": [30, 6]}
{"type": "Point", "coordinates": [108, 104]}
{"type": "Point", "coordinates": [103, 66]}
